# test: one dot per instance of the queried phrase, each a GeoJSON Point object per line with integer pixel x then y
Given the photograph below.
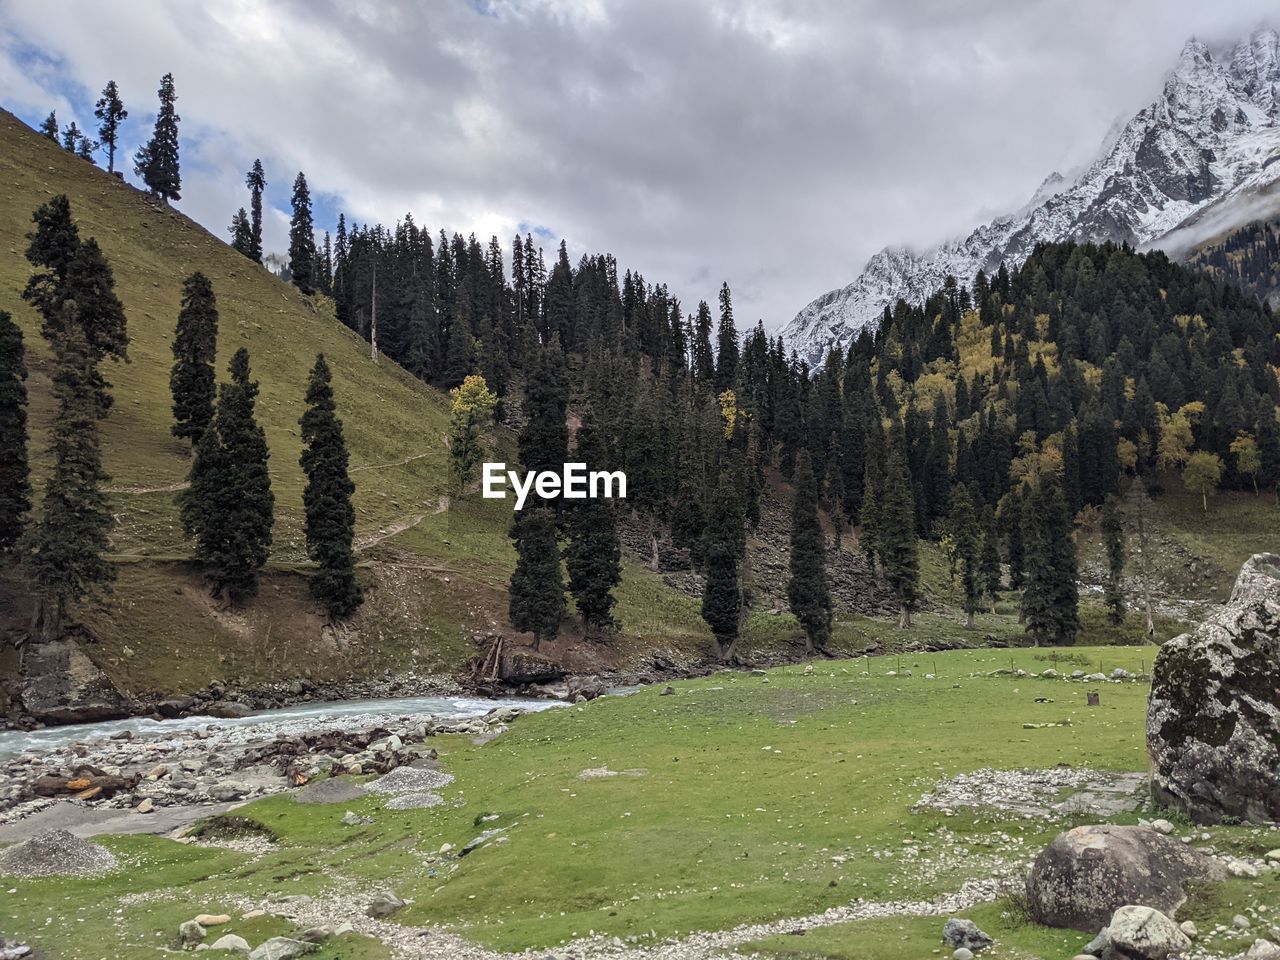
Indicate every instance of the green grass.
{"type": "Point", "coordinates": [716, 831]}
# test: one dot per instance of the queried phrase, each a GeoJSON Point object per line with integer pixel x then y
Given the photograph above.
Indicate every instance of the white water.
{"type": "Point", "coordinates": [349, 714]}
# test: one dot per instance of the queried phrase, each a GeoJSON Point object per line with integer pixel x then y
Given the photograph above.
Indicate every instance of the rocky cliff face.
{"type": "Point", "coordinates": [1208, 144]}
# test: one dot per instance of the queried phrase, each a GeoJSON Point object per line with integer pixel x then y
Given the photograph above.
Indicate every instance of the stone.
{"type": "Point", "coordinates": [315, 935]}
{"type": "Point", "coordinates": [56, 853]}
{"type": "Point", "coordinates": [589, 688]}
{"type": "Point", "coordinates": [344, 928]}
{"type": "Point", "coordinates": [384, 905]}
{"type": "Point", "coordinates": [190, 933]}
{"type": "Point", "coordinates": [282, 948]}
{"type": "Point", "coordinates": [1141, 933]}
{"type": "Point", "coordinates": [146, 806]}
{"type": "Point", "coordinates": [670, 691]}
{"type": "Point", "coordinates": [960, 933]}
{"type": "Point", "coordinates": [60, 684]}
{"type": "Point", "coordinates": [1262, 950]}
{"type": "Point", "coordinates": [228, 710]}
{"type": "Point", "coordinates": [213, 919]}
{"type": "Point", "coordinates": [1162, 826]}
{"type": "Point", "coordinates": [518, 667]}
{"type": "Point", "coordinates": [962, 953]}
{"type": "Point", "coordinates": [1213, 718]}
{"type": "Point", "coordinates": [1242, 868]}
{"type": "Point", "coordinates": [353, 819]}
{"type": "Point", "coordinates": [226, 792]}
{"type": "Point", "coordinates": [231, 942]}
{"type": "Point", "coordinates": [1087, 873]}
{"type": "Point", "coordinates": [1241, 922]}
{"type": "Point", "coordinates": [1189, 929]}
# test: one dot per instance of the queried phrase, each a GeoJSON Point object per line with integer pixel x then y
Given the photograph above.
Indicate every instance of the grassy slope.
{"type": "Point", "coordinates": [432, 584]}
{"type": "Point", "coordinates": [713, 830]}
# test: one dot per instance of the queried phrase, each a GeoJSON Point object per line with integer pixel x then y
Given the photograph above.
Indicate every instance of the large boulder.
{"type": "Point", "coordinates": [1140, 933]}
{"type": "Point", "coordinates": [524, 666]}
{"type": "Point", "coordinates": [1213, 721]}
{"type": "Point", "coordinates": [1088, 873]}
{"type": "Point", "coordinates": [60, 684]}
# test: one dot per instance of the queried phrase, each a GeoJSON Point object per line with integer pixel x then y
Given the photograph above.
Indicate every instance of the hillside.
{"type": "Point", "coordinates": [1248, 257]}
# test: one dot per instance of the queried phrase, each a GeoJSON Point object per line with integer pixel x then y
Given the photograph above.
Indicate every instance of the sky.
{"type": "Point", "coordinates": [772, 144]}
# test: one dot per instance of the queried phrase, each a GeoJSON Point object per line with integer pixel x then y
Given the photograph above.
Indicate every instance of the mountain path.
{"type": "Point", "coordinates": [400, 526]}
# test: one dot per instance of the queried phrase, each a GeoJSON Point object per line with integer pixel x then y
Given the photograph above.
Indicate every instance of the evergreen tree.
{"type": "Point", "coordinates": [49, 129]}
{"type": "Point", "coordinates": [896, 535]}
{"type": "Point", "coordinates": [71, 138]}
{"type": "Point", "coordinates": [990, 559]}
{"type": "Point", "coordinates": [1113, 536]}
{"type": "Point", "coordinates": [962, 527]}
{"type": "Point", "coordinates": [536, 595]}
{"type": "Point", "coordinates": [331, 519]}
{"type": "Point", "coordinates": [156, 162]}
{"type": "Point", "coordinates": [110, 113]}
{"type": "Point", "coordinates": [15, 480]}
{"type": "Point", "coordinates": [704, 365]}
{"type": "Point", "coordinates": [241, 232]}
{"type": "Point", "coordinates": [726, 344]}
{"type": "Point", "coordinates": [721, 595]}
{"type": "Point", "coordinates": [593, 554]}
{"type": "Point", "coordinates": [195, 345]}
{"type": "Point", "coordinates": [1050, 598]}
{"type": "Point", "coordinates": [807, 592]}
{"type": "Point", "coordinates": [229, 507]}
{"type": "Point", "coordinates": [302, 239]}
{"type": "Point", "coordinates": [543, 444]}
{"type": "Point", "coordinates": [256, 181]}
{"type": "Point", "coordinates": [64, 552]}
{"type": "Point", "coordinates": [1011, 518]}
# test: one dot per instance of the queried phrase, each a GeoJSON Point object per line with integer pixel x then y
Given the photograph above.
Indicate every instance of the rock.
{"type": "Point", "coordinates": [519, 667]}
{"type": "Point", "coordinates": [589, 688]}
{"type": "Point", "coordinates": [330, 790]}
{"type": "Point", "coordinates": [1273, 856]}
{"type": "Point", "coordinates": [1213, 719]}
{"type": "Point", "coordinates": [60, 684]}
{"type": "Point", "coordinates": [478, 842]}
{"type": "Point", "coordinates": [190, 933]}
{"type": "Point", "coordinates": [384, 905]}
{"type": "Point", "coordinates": [1189, 929]}
{"type": "Point", "coordinates": [1162, 826]}
{"type": "Point", "coordinates": [1262, 950]}
{"type": "Point", "coordinates": [344, 928]}
{"type": "Point", "coordinates": [226, 792]}
{"type": "Point", "coordinates": [1242, 868]}
{"type": "Point", "coordinates": [230, 942]}
{"type": "Point", "coordinates": [315, 935]}
{"type": "Point", "coordinates": [146, 806]}
{"type": "Point", "coordinates": [1141, 933]}
{"type": "Point", "coordinates": [962, 953]}
{"type": "Point", "coordinates": [213, 919]}
{"type": "Point", "coordinates": [229, 710]}
{"type": "Point", "coordinates": [959, 933]}
{"type": "Point", "coordinates": [353, 819]}
{"type": "Point", "coordinates": [282, 948]}
{"type": "Point", "coordinates": [1241, 922]}
{"type": "Point", "coordinates": [1086, 874]}
{"type": "Point", "coordinates": [670, 691]}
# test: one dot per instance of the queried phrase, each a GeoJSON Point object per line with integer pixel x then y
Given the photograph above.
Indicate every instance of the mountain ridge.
{"type": "Point", "coordinates": [1210, 139]}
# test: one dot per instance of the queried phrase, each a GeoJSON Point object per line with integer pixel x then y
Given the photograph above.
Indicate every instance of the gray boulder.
{"type": "Point", "coordinates": [1261, 950]}
{"type": "Point", "coordinates": [1213, 720]}
{"type": "Point", "coordinates": [962, 934]}
{"type": "Point", "coordinates": [1086, 874]}
{"type": "Point", "coordinates": [190, 933]}
{"type": "Point", "coordinates": [60, 684]}
{"type": "Point", "coordinates": [384, 905]}
{"type": "Point", "coordinates": [230, 942]}
{"type": "Point", "coordinates": [1140, 933]}
{"type": "Point", "coordinates": [282, 948]}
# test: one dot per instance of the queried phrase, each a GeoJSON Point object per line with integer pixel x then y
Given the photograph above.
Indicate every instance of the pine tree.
{"type": "Point", "coordinates": [726, 344]}
{"type": "Point", "coordinates": [593, 555]}
{"type": "Point", "coordinates": [807, 591]}
{"type": "Point", "coordinates": [543, 444]}
{"type": "Point", "coordinates": [896, 535]}
{"type": "Point", "coordinates": [71, 138]}
{"type": "Point", "coordinates": [195, 344]}
{"type": "Point", "coordinates": [241, 233]}
{"type": "Point", "coordinates": [64, 552]}
{"type": "Point", "coordinates": [256, 181]}
{"type": "Point", "coordinates": [156, 162]}
{"type": "Point", "coordinates": [331, 519]}
{"type": "Point", "coordinates": [962, 527]}
{"type": "Point", "coordinates": [721, 595]}
{"type": "Point", "coordinates": [302, 239]}
{"type": "Point", "coordinates": [110, 113]}
{"type": "Point", "coordinates": [990, 559]}
{"type": "Point", "coordinates": [15, 479]}
{"type": "Point", "coordinates": [1050, 598]}
{"type": "Point", "coordinates": [1113, 536]}
{"type": "Point", "coordinates": [49, 129]}
{"type": "Point", "coordinates": [229, 508]}
{"type": "Point", "coordinates": [536, 594]}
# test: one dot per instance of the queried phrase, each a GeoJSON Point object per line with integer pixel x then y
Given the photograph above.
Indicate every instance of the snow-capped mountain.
{"type": "Point", "coordinates": [1205, 149]}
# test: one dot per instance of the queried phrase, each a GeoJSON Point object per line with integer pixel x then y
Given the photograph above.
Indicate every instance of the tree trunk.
{"type": "Point", "coordinates": [1204, 499]}
{"type": "Point", "coordinates": [969, 623]}
{"type": "Point", "coordinates": [904, 619]}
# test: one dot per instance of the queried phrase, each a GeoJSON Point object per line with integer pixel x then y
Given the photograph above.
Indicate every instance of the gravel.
{"type": "Point", "coordinates": [410, 779]}
{"type": "Point", "coordinates": [414, 801]}
{"type": "Point", "coordinates": [56, 853]}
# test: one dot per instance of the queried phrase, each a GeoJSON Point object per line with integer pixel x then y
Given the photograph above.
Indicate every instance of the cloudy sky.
{"type": "Point", "coordinates": [772, 144]}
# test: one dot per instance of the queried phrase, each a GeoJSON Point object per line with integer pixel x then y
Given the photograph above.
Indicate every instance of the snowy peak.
{"type": "Point", "coordinates": [1207, 144]}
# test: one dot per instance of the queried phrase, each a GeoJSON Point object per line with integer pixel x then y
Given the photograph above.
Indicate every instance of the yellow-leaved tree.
{"type": "Point", "coordinates": [473, 406]}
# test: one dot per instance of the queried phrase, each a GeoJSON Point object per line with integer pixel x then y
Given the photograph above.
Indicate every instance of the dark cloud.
{"type": "Point", "coordinates": [773, 144]}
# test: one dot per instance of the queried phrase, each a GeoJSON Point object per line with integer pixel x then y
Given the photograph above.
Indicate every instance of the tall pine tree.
{"type": "Point", "coordinates": [110, 113]}
{"type": "Point", "coordinates": [192, 381]}
{"type": "Point", "coordinates": [331, 519]}
{"type": "Point", "coordinates": [536, 595]}
{"type": "Point", "coordinates": [807, 591]}
{"type": "Point", "coordinates": [721, 594]}
{"type": "Point", "coordinates": [15, 475]}
{"type": "Point", "coordinates": [593, 554]}
{"type": "Point", "coordinates": [1113, 537]}
{"type": "Point", "coordinates": [302, 239]}
{"type": "Point", "coordinates": [962, 527]}
{"type": "Point", "coordinates": [1050, 597]}
{"type": "Point", "coordinates": [256, 181]}
{"type": "Point", "coordinates": [156, 162]}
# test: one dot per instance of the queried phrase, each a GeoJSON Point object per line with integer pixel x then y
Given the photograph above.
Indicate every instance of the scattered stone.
{"type": "Point", "coordinates": [353, 819]}
{"type": "Point", "coordinates": [213, 919]}
{"type": "Point", "coordinates": [1242, 868]}
{"type": "Point", "coordinates": [1213, 718]}
{"type": "Point", "coordinates": [410, 780]}
{"type": "Point", "coordinates": [190, 933]}
{"type": "Point", "coordinates": [1086, 874]}
{"type": "Point", "coordinates": [1262, 950]}
{"type": "Point", "coordinates": [330, 790]}
{"type": "Point", "coordinates": [964, 934]}
{"type": "Point", "coordinates": [481, 840]}
{"type": "Point", "coordinates": [384, 905]}
{"type": "Point", "coordinates": [56, 853]}
{"type": "Point", "coordinates": [146, 806]}
{"type": "Point", "coordinates": [1189, 929]}
{"type": "Point", "coordinates": [230, 941]}
{"type": "Point", "coordinates": [1241, 922]}
{"type": "Point", "coordinates": [1141, 933]}
{"type": "Point", "coordinates": [282, 948]}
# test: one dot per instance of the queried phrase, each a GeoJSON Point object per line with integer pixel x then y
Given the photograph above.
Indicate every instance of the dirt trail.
{"type": "Point", "coordinates": [138, 491]}
{"type": "Point", "coordinates": [394, 463]}
{"type": "Point", "coordinates": [399, 526]}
